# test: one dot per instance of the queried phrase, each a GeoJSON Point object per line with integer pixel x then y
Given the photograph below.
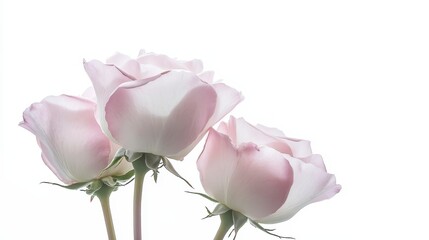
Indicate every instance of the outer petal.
{"type": "Point", "coordinates": [148, 65]}
{"type": "Point", "coordinates": [161, 116]}
{"type": "Point", "coordinates": [105, 79]}
{"type": "Point", "coordinates": [316, 160]}
{"type": "Point", "coordinates": [261, 181]}
{"type": "Point", "coordinates": [207, 76]}
{"type": "Point", "coordinates": [165, 63]}
{"type": "Point", "coordinates": [126, 64]}
{"type": "Point", "coordinates": [271, 131]}
{"type": "Point", "coordinates": [73, 145]}
{"type": "Point", "coordinates": [223, 128]}
{"type": "Point", "coordinates": [300, 148]}
{"type": "Point", "coordinates": [311, 184]}
{"type": "Point", "coordinates": [227, 99]}
{"type": "Point", "coordinates": [216, 165]}
{"type": "Point", "coordinates": [241, 131]}
{"type": "Point", "coordinates": [90, 94]}
{"type": "Point", "coordinates": [251, 180]}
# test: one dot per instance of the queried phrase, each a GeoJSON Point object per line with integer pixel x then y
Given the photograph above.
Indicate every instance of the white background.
{"type": "Point", "coordinates": [351, 76]}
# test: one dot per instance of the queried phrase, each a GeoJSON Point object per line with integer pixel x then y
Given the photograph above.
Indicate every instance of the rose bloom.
{"type": "Point", "coordinates": [72, 143]}
{"type": "Point", "coordinates": [157, 104]}
{"type": "Point", "coordinates": [261, 173]}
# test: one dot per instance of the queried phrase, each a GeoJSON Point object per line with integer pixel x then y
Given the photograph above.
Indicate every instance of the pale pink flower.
{"type": "Point", "coordinates": [72, 143]}
{"type": "Point", "coordinates": [156, 104]}
{"type": "Point", "coordinates": [259, 172]}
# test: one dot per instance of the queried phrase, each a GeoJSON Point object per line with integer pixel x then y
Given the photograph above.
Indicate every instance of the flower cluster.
{"type": "Point", "coordinates": [141, 112]}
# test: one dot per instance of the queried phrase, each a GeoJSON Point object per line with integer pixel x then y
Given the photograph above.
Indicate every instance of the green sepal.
{"type": "Point", "coordinates": [167, 164]}
{"type": "Point", "coordinates": [94, 187]}
{"type": "Point", "coordinates": [133, 156]}
{"type": "Point", "coordinates": [268, 231]}
{"type": "Point", "coordinates": [127, 176]}
{"type": "Point", "coordinates": [239, 220]}
{"type": "Point", "coordinates": [100, 187]}
{"type": "Point", "coordinates": [155, 174]}
{"type": "Point", "coordinates": [118, 181]}
{"type": "Point", "coordinates": [203, 195]}
{"type": "Point", "coordinates": [112, 181]}
{"type": "Point", "coordinates": [208, 211]}
{"type": "Point", "coordinates": [218, 210]}
{"type": "Point", "coordinates": [109, 181]}
{"type": "Point", "coordinates": [73, 186]}
{"type": "Point", "coordinates": [153, 163]}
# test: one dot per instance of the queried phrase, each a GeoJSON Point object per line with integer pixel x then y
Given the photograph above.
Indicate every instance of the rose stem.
{"type": "Point", "coordinates": [225, 224]}
{"type": "Point", "coordinates": [140, 169]}
{"type": "Point", "coordinates": [103, 195]}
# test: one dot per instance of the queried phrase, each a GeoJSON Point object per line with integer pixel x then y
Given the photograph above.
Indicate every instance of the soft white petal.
{"type": "Point", "coordinates": [73, 145]}
{"type": "Point", "coordinates": [311, 184]}
{"type": "Point", "coordinates": [227, 99]}
{"type": "Point", "coordinates": [162, 116]}
{"type": "Point", "coordinates": [251, 180]}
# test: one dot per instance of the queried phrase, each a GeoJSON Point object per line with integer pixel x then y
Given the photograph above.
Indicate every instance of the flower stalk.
{"type": "Point", "coordinates": [140, 169]}
{"type": "Point", "coordinates": [103, 195]}
{"type": "Point", "coordinates": [226, 223]}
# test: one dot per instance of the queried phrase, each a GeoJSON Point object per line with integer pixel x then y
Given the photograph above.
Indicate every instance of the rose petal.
{"type": "Point", "coordinates": [73, 145]}
{"type": "Point", "coordinates": [251, 180]}
{"type": "Point", "coordinates": [105, 79]}
{"type": "Point", "coordinates": [316, 160]}
{"type": "Point", "coordinates": [206, 76]}
{"type": "Point", "coordinates": [89, 93]}
{"type": "Point", "coordinates": [311, 184]}
{"type": "Point", "coordinates": [227, 99]}
{"type": "Point", "coordinates": [223, 128]}
{"type": "Point", "coordinates": [300, 148]}
{"type": "Point", "coordinates": [126, 64]}
{"type": "Point", "coordinates": [162, 116]}
{"type": "Point", "coordinates": [261, 181]}
{"type": "Point", "coordinates": [216, 164]}
{"type": "Point", "coordinates": [164, 62]}
{"type": "Point", "coordinates": [271, 131]}
{"type": "Point", "coordinates": [142, 52]}
{"type": "Point", "coordinates": [241, 131]}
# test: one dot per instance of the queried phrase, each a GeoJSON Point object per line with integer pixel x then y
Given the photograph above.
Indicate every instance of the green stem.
{"type": "Point", "coordinates": [226, 223]}
{"type": "Point", "coordinates": [103, 195]}
{"type": "Point", "coordinates": [140, 171]}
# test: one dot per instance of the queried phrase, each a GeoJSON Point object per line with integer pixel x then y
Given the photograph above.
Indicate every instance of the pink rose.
{"type": "Point", "coordinates": [156, 104]}
{"type": "Point", "coordinates": [72, 143]}
{"type": "Point", "coordinates": [261, 173]}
